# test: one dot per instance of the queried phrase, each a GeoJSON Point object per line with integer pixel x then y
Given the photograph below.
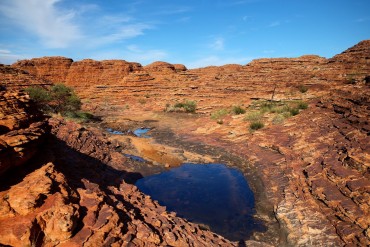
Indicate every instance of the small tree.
{"type": "Point", "coordinates": [60, 99]}
{"type": "Point", "coordinates": [63, 99]}
{"type": "Point", "coordinates": [40, 96]}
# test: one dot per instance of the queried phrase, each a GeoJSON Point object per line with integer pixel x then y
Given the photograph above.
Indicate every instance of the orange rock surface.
{"type": "Point", "coordinates": [21, 129]}
{"type": "Point", "coordinates": [313, 167]}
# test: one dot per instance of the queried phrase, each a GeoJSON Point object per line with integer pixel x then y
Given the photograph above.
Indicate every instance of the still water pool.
{"type": "Point", "coordinates": [142, 132]}
{"type": "Point", "coordinates": [212, 194]}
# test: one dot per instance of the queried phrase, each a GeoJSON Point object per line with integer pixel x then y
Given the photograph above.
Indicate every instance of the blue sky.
{"type": "Point", "coordinates": [196, 33]}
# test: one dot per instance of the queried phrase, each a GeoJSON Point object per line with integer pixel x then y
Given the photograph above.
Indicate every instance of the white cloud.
{"type": "Point", "coordinates": [217, 61]}
{"type": "Point", "coordinates": [61, 28]}
{"type": "Point", "coordinates": [112, 20]}
{"type": "Point", "coordinates": [53, 26]}
{"type": "Point", "coordinates": [123, 32]}
{"type": "Point", "coordinates": [217, 44]}
{"type": "Point", "coordinates": [5, 51]}
{"type": "Point", "coordinates": [7, 57]}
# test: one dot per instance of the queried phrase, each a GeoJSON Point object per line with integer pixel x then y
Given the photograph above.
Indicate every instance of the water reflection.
{"type": "Point", "coordinates": [141, 132]}
{"type": "Point", "coordinates": [211, 194]}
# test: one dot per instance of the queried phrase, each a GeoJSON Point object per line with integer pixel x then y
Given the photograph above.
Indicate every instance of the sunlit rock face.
{"type": "Point", "coordinates": [64, 185]}
{"type": "Point", "coordinates": [314, 166]}
{"type": "Point", "coordinates": [22, 129]}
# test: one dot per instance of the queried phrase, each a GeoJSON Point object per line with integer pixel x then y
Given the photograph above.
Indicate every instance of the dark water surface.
{"type": "Point", "coordinates": [114, 132]}
{"type": "Point", "coordinates": [211, 194]}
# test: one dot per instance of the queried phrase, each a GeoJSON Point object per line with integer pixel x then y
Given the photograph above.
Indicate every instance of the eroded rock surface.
{"type": "Point", "coordinates": [73, 193]}
{"type": "Point", "coordinates": [21, 129]}
{"type": "Point", "coordinates": [314, 166]}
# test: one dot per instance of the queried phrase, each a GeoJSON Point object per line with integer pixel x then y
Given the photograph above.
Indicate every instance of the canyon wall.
{"type": "Point", "coordinates": [315, 166]}
{"type": "Point", "coordinates": [64, 185]}
{"type": "Point", "coordinates": [22, 129]}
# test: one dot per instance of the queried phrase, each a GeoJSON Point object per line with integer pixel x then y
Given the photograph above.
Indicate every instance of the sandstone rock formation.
{"type": "Point", "coordinates": [314, 166]}
{"type": "Point", "coordinates": [13, 79]}
{"type": "Point", "coordinates": [160, 67]}
{"type": "Point", "coordinates": [88, 71]}
{"type": "Point", "coordinates": [54, 69]}
{"type": "Point", "coordinates": [21, 129]}
{"type": "Point", "coordinates": [73, 198]}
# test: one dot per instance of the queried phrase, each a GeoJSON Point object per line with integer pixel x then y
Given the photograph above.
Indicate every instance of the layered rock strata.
{"type": "Point", "coordinates": [73, 190]}
{"type": "Point", "coordinates": [315, 166]}
{"type": "Point", "coordinates": [21, 129]}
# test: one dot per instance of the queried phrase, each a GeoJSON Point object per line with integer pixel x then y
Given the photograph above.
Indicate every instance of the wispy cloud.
{"type": "Point", "coordinates": [121, 33]}
{"type": "Point", "coordinates": [217, 44]}
{"type": "Point", "coordinates": [55, 27]}
{"type": "Point", "coordinates": [8, 57]}
{"type": "Point", "coordinates": [172, 10]}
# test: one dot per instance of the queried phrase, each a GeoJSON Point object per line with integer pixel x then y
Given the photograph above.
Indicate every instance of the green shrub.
{"type": "Point", "coordinates": [59, 99]}
{"type": "Point", "coordinates": [219, 114]}
{"type": "Point", "coordinates": [237, 110]}
{"type": "Point", "coordinates": [302, 88]}
{"type": "Point", "coordinates": [63, 99]}
{"type": "Point", "coordinates": [40, 96]}
{"type": "Point", "coordinates": [254, 116]}
{"type": "Point", "coordinates": [302, 105]}
{"type": "Point", "coordinates": [266, 106]}
{"type": "Point", "coordinates": [256, 125]}
{"type": "Point", "coordinates": [81, 116]}
{"type": "Point", "coordinates": [286, 114]}
{"type": "Point", "coordinates": [188, 106]}
{"type": "Point", "coordinates": [294, 111]}
{"type": "Point", "coordinates": [278, 119]}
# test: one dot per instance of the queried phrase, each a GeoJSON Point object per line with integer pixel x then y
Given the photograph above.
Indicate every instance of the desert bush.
{"type": "Point", "coordinates": [188, 106]}
{"type": "Point", "coordinates": [237, 110]}
{"type": "Point", "coordinates": [278, 119]}
{"type": "Point", "coordinates": [302, 105]}
{"type": "Point", "coordinates": [266, 106]}
{"type": "Point", "coordinates": [40, 96]}
{"type": "Point", "coordinates": [63, 99]}
{"type": "Point", "coordinates": [256, 125]}
{"type": "Point", "coordinates": [302, 88]}
{"type": "Point", "coordinates": [59, 99]}
{"type": "Point", "coordinates": [254, 116]}
{"type": "Point", "coordinates": [286, 114]}
{"type": "Point", "coordinates": [219, 114]}
{"type": "Point", "coordinates": [294, 111]}
{"type": "Point", "coordinates": [81, 116]}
